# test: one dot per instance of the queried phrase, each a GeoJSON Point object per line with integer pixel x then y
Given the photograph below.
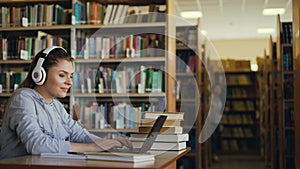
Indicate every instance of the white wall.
{"type": "Point", "coordinates": [241, 49]}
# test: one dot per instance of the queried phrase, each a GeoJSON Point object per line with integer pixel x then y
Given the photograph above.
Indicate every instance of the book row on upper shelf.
{"type": "Point", "coordinates": [34, 15]}
{"type": "Point", "coordinates": [22, 47]}
{"type": "Point", "coordinates": [138, 79]}
{"type": "Point", "coordinates": [97, 13]}
{"type": "Point", "coordinates": [90, 12]}
{"type": "Point", "coordinates": [131, 46]}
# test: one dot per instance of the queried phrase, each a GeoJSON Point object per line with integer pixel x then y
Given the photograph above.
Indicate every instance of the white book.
{"type": "Point", "coordinates": [166, 130]}
{"type": "Point", "coordinates": [124, 13]}
{"type": "Point", "coordinates": [170, 115]}
{"type": "Point", "coordinates": [126, 157]}
{"type": "Point", "coordinates": [160, 137]}
{"type": "Point", "coordinates": [63, 155]}
{"type": "Point", "coordinates": [118, 15]}
{"type": "Point", "coordinates": [113, 14]}
{"type": "Point", "coordinates": [98, 46]}
{"type": "Point", "coordinates": [108, 13]}
{"type": "Point", "coordinates": [106, 47]}
{"type": "Point", "coordinates": [143, 79]}
{"type": "Point", "coordinates": [162, 145]}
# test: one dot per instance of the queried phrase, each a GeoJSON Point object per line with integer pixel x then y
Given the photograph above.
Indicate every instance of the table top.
{"type": "Point", "coordinates": [162, 160]}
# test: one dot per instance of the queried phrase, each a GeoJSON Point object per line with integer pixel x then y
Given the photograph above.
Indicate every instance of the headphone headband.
{"type": "Point", "coordinates": [49, 49]}
{"type": "Point", "coordinates": [39, 74]}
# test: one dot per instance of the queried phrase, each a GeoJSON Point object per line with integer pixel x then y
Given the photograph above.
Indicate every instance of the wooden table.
{"type": "Point", "coordinates": [163, 160]}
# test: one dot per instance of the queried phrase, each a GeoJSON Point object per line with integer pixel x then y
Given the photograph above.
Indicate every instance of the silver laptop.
{"type": "Point", "coordinates": [155, 130]}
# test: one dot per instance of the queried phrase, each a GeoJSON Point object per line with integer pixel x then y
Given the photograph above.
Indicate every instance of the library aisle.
{"type": "Point", "coordinates": [239, 162]}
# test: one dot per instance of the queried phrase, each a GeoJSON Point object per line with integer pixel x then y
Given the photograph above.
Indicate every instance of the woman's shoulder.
{"type": "Point", "coordinates": [24, 91]}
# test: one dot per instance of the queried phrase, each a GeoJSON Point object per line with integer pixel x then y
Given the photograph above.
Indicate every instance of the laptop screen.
{"type": "Point", "coordinates": [155, 130]}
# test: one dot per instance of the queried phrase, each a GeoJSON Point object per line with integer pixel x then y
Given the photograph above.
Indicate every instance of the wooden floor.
{"type": "Point", "coordinates": [239, 162]}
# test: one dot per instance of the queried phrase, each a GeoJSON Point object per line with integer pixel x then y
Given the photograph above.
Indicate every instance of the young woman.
{"type": "Point", "coordinates": [36, 122]}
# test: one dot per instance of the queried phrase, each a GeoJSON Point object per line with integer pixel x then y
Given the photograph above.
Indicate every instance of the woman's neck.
{"type": "Point", "coordinates": [43, 93]}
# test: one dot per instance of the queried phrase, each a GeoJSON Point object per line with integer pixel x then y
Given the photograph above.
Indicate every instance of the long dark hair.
{"type": "Point", "coordinates": [52, 59]}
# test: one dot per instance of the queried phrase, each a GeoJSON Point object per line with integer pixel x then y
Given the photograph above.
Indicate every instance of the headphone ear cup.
{"type": "Point", "coordinates": [39, 74]}
{"type": "Point", "coordinates": [42, 78]}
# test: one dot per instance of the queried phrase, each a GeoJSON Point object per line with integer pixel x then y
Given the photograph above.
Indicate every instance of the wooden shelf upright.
{"type": "Point", "coordinates": [296, 56]}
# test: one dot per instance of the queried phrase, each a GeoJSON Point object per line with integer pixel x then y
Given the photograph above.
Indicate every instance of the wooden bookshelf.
{"type": "Point", "coordinates": [264, 106]}
{"type": "Point", "coordinates": [285, 95]}
{"type": "Point", "coordinates": [240, 123]}
{"type": "Point", "coordinates": [296, 56]}
{"type": "Point", "coordinates": [274, 147]}
{"type": "Point", "coordinates": [188, 75]}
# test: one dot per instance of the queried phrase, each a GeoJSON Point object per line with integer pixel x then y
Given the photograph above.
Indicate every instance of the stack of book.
{"type": "Point", "coordinates": [171, 136]}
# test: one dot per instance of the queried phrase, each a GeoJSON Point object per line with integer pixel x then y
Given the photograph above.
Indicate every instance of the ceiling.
{"type": "Point", "coordinates": [235, 19]}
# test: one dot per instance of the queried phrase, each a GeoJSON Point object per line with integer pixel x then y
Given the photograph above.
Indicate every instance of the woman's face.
{"type": "Point", "coordinates": [59, 79]}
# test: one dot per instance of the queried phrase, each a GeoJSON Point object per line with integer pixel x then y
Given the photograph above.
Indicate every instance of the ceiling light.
{"type": "Point", "coordinates": [265, 30]}
{"type": "Point", "coordinates": [254, 67]}
{"type": "Point", "coordinates": [191, 14]}
{"type": "Point", "coordinates": [273, 11]}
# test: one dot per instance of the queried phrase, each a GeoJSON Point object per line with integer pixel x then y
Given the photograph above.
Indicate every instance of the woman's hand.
{"type": "Point", "coordinates": [124, 141]}
{"type": "Point", "coordinates": [104, 144]}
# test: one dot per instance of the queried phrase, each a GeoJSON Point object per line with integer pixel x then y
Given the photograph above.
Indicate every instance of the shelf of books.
{"type": "Point", "coordinates": [296, 56]}
{"type": "Point", "coordinates": [240, 122]}
{"type": "Point", "coordinates": [26, 28]}
{"type": "Point", "coordinates": [285, 95]}
{"type": "Point", "coordinates": [122, 63]}
{"type": "Point", "coordinates": [210, 146]}
{"type": "Point", "coordinates": [264, 105]}
{"type": "Point", "coordinates": [272, 130]}
{"type": "Point", "coordinates": [188, 70]}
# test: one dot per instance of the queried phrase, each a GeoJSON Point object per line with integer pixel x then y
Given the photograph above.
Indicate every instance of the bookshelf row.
{"type": "Point", "coordinates": [128, 80]}
{"type": "Point", "coordinates": [90, 12]}
{"type": "Point", "coordinates": [239, 125]}
{"type": "Point", "coordinates": [278, 104]}
{"type": "Point", "coordinates": [100, 47]}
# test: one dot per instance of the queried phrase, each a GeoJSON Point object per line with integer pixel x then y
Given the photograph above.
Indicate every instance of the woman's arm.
{"type": "Point", "coordinates": [100, 145]}
{"type": "Point", "coordinates": [104, 144]}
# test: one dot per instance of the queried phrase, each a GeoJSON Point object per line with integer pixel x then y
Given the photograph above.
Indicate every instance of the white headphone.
{"type": "Point", "coordinates": [38, 73]}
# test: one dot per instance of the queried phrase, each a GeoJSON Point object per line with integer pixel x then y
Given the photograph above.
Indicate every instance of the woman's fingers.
{"type": "Point", "coordinates": [124, 141]}
{"type": "Point", "coordinates": [106, 144]}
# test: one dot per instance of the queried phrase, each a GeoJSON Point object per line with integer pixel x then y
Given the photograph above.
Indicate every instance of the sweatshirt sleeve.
{"type": "Point", "coordinates": [23, 119]}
